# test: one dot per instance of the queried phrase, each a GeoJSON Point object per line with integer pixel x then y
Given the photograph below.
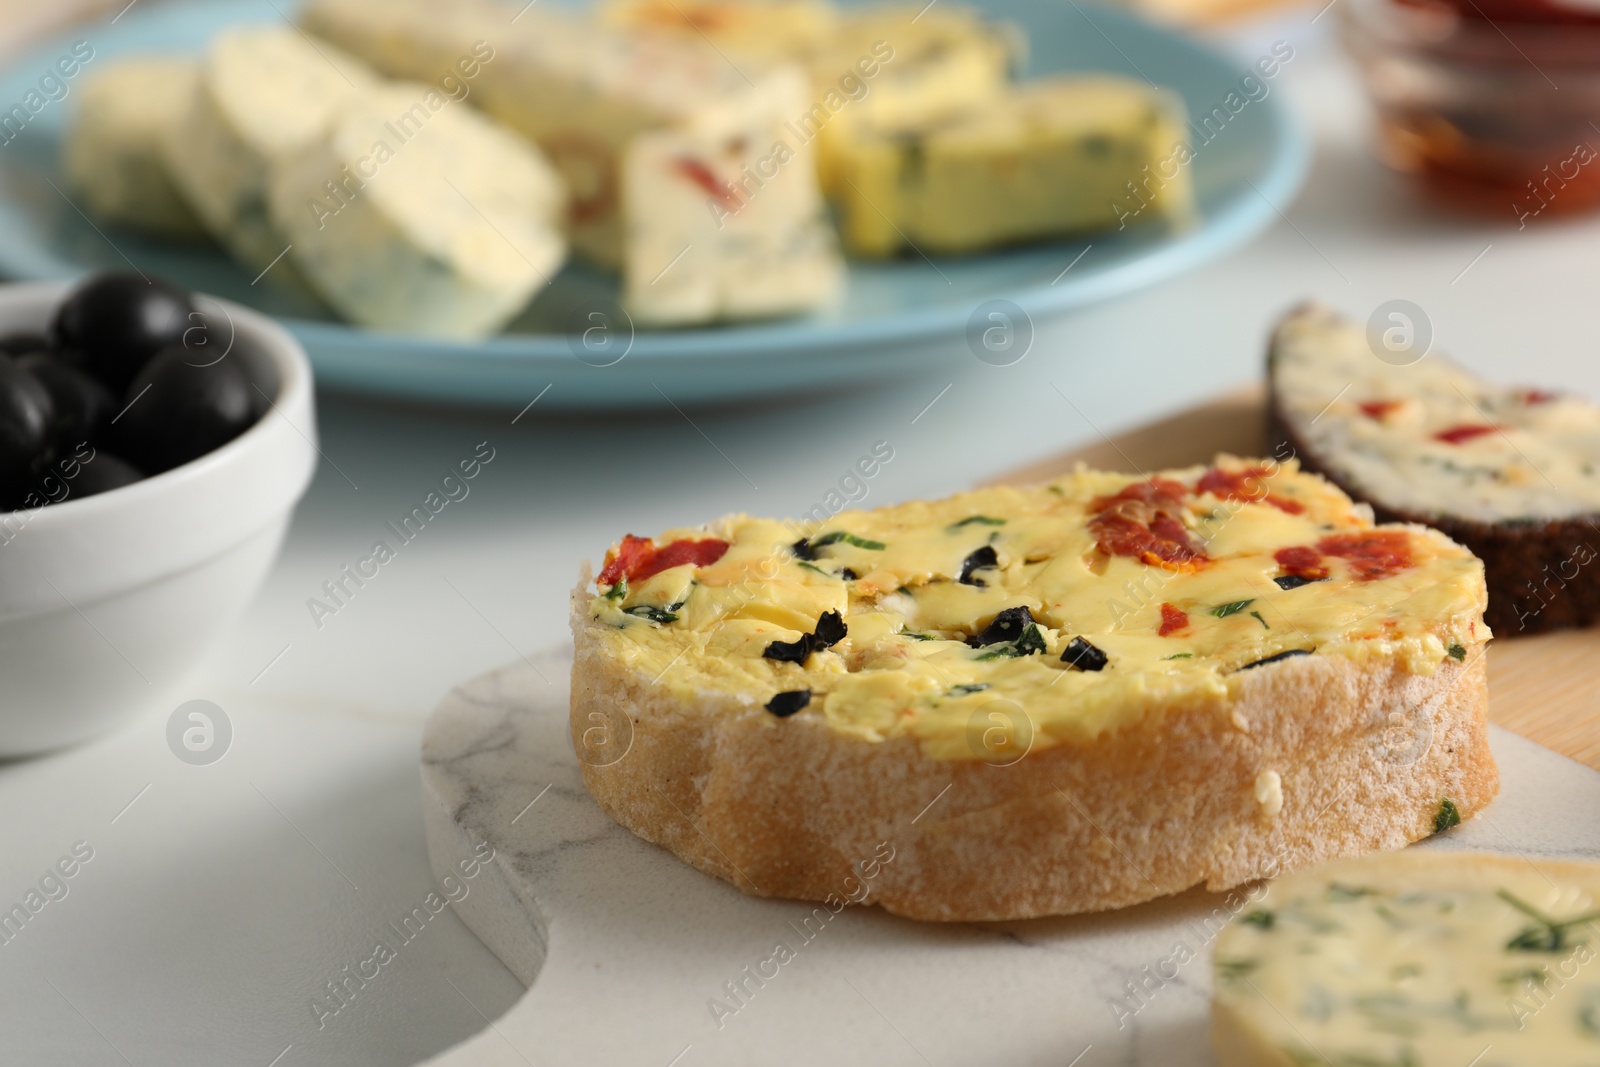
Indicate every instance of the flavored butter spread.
{"type": "Point", "coordinates": [1425, 437]}
{"type": "Point", "coordinates": [1092, 602]}
{"type": "Point", "coordinates": [1422, 959]}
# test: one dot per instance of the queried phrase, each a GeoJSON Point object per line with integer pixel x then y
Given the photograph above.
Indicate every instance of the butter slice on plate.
{"type": "Point", "coordinates": [113, 156]}
{"type": "Point", "coordinates": [415, 213]}
{"type": "Point", "coordinates": [265, 93]}
{"type": "Point", "coordinates": [725, 217]}
{"type": "Point", "coordinates": [1053, 157]}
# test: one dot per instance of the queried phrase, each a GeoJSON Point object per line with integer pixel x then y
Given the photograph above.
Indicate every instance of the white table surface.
{"type": "Point", "coordinates": [226, 897]}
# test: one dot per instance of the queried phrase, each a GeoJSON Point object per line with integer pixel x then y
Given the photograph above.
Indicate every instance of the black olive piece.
{"type": "Point", "coordinates": [1009, 625]}
{"type": "Point", "coordinates": [83, 407]}
{"type": "Point", "coordinates": [830, 630]}
{"type": "Point", "coordinates": [101, 474]}
{"type": "Point", "coordinates": [27, 426]}
{"type": "Point", "coordinates": [848, 575]}
{"type": "Point", "coordinates": [1290, 654]}
{"type": "Point", "coordinates": [802, 550]}
{"type": "Point", "coordinates": [786, 704]}
{"type": "Point", "coordinates": [116, 322]}
{"type": "Point", "coordinates": [1294, 581]}
{"type": "Point", "coordinates": [177, 410]}
{"type": "Point", "coordinates": [979, 559]}
{"type": "Point", "coordinates": [1084, 656]}
{"type": "Point", "coordinates": [789, 651]}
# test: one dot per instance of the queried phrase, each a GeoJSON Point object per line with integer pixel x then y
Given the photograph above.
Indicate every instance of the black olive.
{"type": "Point", "coordinates": [786, 704]}
{"type": "Point", "coordinates": [83, 407]}
{"type": "Point", "coordinates": [24, 342]}
{"type": "Point", "coordinates": [176, 410]}
{"type": "Point", "coordinates": [101, 474]}
{"type": "Point", "coordinates": [27, 424]}
{"type": "Point", "coordinates": [802, 550]}
{"type": "Point", "coordinates": [1084, 656]}
{"type": "Point", "coordinates": [830, 630]}
{"type": "Point", "coordinates": [1290, 654]}
{"type": "Point", "coordinates": [978, 559]}
{"type": "Point", "coordinates": [789, 651]}
{"type": "Point", "coordinates": [116, 322]}
{"type": "Point", "coordinates": [1009, 625]}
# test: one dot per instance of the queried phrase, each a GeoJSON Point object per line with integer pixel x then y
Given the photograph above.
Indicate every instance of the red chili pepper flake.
{"type": "Point", "coordinates": [714, 186]}
{"type": "Point", "coordinates": [1372, 554]}
{"type": "Point", "coordinates": [1455, 435]}
{"type": "Point", "coordinates": [1539, 396]}
{"type": "Point", "coordinates": [1301, 561]}
{"type": "Point", "coordinates": [1144, 522]}
{"type": "Point", "coordinates": [637, 558]}
{"type": "Point", "coordinates": [1249, 485]}
{"type": "Point", "coordinates": [1172, 620]}
{"type": "Point", "coordinates": [1377, 409]}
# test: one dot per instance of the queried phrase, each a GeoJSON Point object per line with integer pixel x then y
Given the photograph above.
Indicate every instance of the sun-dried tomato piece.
{"type": "Point", "coordinates": [1301, 561]}
{"type": "Point", "coordinates": [700, 553]}
{"type": "Point", "coordinates": [1248, 485]}
{"type": "Point", "coordinates": [712, 185]}
{"type": "Point", "coordinates": [1372, 554]}
{"type": "Point", "coordinates": [1455, 435]}
{"type": "Point", "coordinates": [1172, 620]}
{"type": "Point", "coordinates": [1144, 521]}
{"type": "Point", "coordinates": [1377, 409]}
{"type": "Point", "coordinates": [621, 561]}
{"type": "Point", "coordinates": [1119, 535]}
{"type": "Point", "coordinates": [1161, 492]}
{"type": "Point", "coordinates": [637, 558]}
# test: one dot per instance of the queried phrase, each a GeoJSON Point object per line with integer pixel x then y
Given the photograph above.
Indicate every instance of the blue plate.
{"type": "Point", "coordinates": [895, 318]}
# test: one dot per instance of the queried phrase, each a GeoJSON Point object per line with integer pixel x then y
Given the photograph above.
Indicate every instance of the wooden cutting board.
{"type": "Point", "coordinates": [1546, 688]}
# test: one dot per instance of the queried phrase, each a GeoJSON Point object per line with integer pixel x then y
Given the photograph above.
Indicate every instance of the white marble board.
{"type": "Point", "coordinates": [627, 951]}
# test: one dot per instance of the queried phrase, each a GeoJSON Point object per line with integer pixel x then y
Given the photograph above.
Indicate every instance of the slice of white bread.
{"type": "Point", "coordinates": [1427, 958]}
{"type": "Point", "coordinates": [1147, 726]}
{"type": "Point", "coordinates": [1512, 473]}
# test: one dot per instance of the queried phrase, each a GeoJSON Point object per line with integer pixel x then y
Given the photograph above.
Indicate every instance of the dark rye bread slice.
{"type": "Point", "coordinates": [1543, 571]}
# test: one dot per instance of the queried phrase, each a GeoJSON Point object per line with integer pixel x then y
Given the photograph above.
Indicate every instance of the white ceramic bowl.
{"type": "Point", "coordinates": [107, 601]}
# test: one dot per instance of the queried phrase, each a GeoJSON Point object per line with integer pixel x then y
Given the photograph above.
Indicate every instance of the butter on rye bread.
{"type": "Point", "coordinates": [1513, 473]}
{"type": "Point", "coordinates": [1050, 699]}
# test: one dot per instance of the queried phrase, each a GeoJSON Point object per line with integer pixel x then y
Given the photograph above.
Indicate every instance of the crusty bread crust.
{"type": "Point", "coordinates": [790, 807]}
{"type": "Point", "coordinates": [1537, 573]}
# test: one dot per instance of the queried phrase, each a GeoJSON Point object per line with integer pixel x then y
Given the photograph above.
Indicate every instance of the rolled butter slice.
{"type": "Point", "coordinates": [905, 65]}
{"type": "Point", "coordinates": [900, 64]}
{"type": "Point", "coordinates": [113, 157]}
{"type": "Point", "coordinates": [579, 89]}
{"type": "Point", "coordinates": [1060, 155]}
{"type": "Point", "coordinates": [1423, 958]}
{"type": "Point", "coordinates": [264, 94]}
{"type": "Point", "coordinates": [726, 220]}
{"type": "Point", "coordinates": [759, 32]}
{"type": "Point", "coordinates": [415, 213]}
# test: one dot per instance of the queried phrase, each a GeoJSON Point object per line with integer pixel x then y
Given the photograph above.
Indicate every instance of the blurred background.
{"type": "Point", "coordinates": [222, 898]}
